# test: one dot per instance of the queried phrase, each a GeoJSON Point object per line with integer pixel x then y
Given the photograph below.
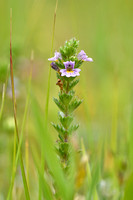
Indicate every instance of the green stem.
{"type": "Point", "coordinates": [47, 103]}
{"type": "Point", "coordinates": [3, 100]}
{"type": "Point", "coordinates": [17, 154]}
{"type": "Point", "coordinates": [4, 94]}
{"type": "Point", "coordinates": [67, 88]}
{"type": "Point", "coordinates": [14, 112]}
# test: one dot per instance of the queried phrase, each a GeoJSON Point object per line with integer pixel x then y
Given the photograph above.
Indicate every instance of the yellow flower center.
{"type": "Point", "coordinates": [69, 71]}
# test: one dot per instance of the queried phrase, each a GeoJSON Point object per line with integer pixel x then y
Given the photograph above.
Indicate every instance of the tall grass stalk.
{"type": "Point", "coordinates": [48, 89]}
{"type": "Point", "coordinates": [21, 139]}
{"type": "Point", "coordinates": [16, 125]}
{"type": "Point", "coordinates": [47, 97]}
{"type": "Point", "coordinates": [114, 118]}
{"type": "Point", "coordinates": [92, 186]}
{"type": "Point", "coordinates": [3, 94]}
{"type": "Point", "coordinates": [3, 100]}
{"type": "Point", "coordinates": [46, 190]}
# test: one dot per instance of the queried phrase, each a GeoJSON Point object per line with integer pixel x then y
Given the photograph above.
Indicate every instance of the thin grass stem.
{"type": "Point", "coordinates": [4, 94]}
{"type": "Point", "coordinates": [47, 100]}
{"type": "Point", "coordinates": [15, 118]}
{"type": "Point", "coordinates": [21, 139]}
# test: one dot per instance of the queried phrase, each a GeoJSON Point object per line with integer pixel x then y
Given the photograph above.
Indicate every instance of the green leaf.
{"type": "Point", "coordinates": [94, 182]}
{"type": "Point", "coordinates": [78, 64]}
{"type": "Point", "coordinates": [73, 105]}
{"type": "Point", "coordinates": [128, 194]}
{"type": "Point", "coordinates": [65, 120]}
{"type": "Point", "coordinates": [69, 49]}
{"type": "Point", "coordinates": [64, 146]}
{"type": "Point", "coordinates": [59, 128]}
{"type": "Point", "coordinates": [73, 128]}
{"type": "Point", "coordinates": [66, 98]}
{"type": "Point", "coordinates": [47, 193]}
{"type": "Point", "coordinates": [73, 84]}
{"type": "Point", "coordinates": [60, 106]}
{"type": "Point", "coordinates": [60, 65]}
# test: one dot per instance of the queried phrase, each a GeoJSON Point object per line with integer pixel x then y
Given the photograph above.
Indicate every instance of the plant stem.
{"type": "Point", "coordinates": [3, 94]}
{"type": "Point", "coordinates": [47, 102]}
{"type": "Point", "coordinates": [67, 89]}
{"type": "Point", "coordinates": [14, 112]}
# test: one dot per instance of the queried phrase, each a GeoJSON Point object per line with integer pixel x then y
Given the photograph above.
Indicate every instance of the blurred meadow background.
{"type": "Point", "coordinates": [105, 31]}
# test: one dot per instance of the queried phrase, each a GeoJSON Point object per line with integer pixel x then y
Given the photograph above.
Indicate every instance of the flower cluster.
{"type": "Point", "coordinates": [69, 68]}
{"type": "Point", "coordinates": [66, 63]}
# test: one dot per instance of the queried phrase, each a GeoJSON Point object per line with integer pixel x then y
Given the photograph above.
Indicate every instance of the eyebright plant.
{"type": "Point", "coordinates": [66, 63]}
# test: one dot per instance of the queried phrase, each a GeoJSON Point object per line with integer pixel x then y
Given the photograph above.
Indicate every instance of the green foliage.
{"type": "Point", "coordinates": [73, 84]}
{"type": "Point", "coordinates": [60, 64]}
{"type": "Point", "coordinates": [64, 187]}
{"type": "Point", "coordinates": [78, 63]}
{"type": "Point", "coordinates": [63, 148]}
{"type": "Point", "coordinates": [74, 104]}
{"type": "Point", "coordinates": [59, 77]}
{"type": "Point", "coordinates": [65, 98]}
{"type": "Point", "coordinates": [65, 120]}
{"type": "Point", "coordinates": [3, 69]}
{"type": "Point", "coordinates": [67, 102]}
{"type": "Point", "coordinates": [73, 128]}
{"type": "Point", "coordinates": [94, 182]}
{"type": "Point", "coordinates": [128, 195]}
{"type": "Point", "coordinates": [59, 104]}
{"type": "Point", "coordinates": [69, 49]}
{"type": "Point", "coordinates": [59, 129]}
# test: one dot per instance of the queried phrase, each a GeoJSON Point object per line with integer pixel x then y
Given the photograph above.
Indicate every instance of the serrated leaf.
{"type": "Point", "coordinates": [69, 49]}
{"type": "Point", "coordinates": [59, 129]}
{"type": "Point", "coordinates": [73, 128]}
{"type": "Point", "coordinates": [59, 104]}
{"type": "Point", "coordinates": [65, 120]}
{"type": "Point", "coordinates": [64, 146]}
{"type": "Point", "coordinates": [73, 84]}
{"type": "Point", "coordinates": [60, 65]}
{"type": "Point", "coordinates": [73, 105]}
{"type": "Point", "coordinates": [63, 150]}
{"type": "Point", "coordinates": [78, 64]}
{"type": "Point", "coordinates": [66, 98]}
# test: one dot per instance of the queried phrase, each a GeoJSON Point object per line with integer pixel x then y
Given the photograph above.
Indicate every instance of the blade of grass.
{"type": "Point", "coordinates": [128, 193]}
{"type": "Point", "coordinates": [47, 96]}
{"type": "Point", "coordinates": [3, 94]}
{"type": "Point", "coordinates": [47, 193]}
{"type": "Point", "coordinates": [92, 192]}
{"type": "Point", "coordinates": [27, 142]}
{"type": "Point", "coordinates": [130, 139]}
{"type": "Point", "coordinates": [14, 112]}
{"type": "Point", "coordinates": [91, 181]}
{"type": "Point", "coordinates": [114, 117]}
{"type": "Point", "coordinates": [21, 138]}
{"type": "Point", "coordinates": [49, 76]}
{"type": "Point", "coordinates": [3, 100]}
{"type": "Point", "coordinates": [27, 160]}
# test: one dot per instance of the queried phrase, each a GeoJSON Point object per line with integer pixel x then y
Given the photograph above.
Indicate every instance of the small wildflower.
{"type": "Point", "coordinates": [66, 64]}
{"type": "Point", "coordinates": [54, 66]}
{"type": "Point", "coordinates": [57, 56]}
{"type": "Point", "coordinates": [69, 70]}
{"type": "Point", "coordinates": [82, 56]}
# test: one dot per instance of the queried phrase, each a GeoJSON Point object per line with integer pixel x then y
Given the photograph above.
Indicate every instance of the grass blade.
{"type": "Point", "coordinates": [43, 183]}
{"type": "Point", "coordinates": [92, 182]}
{"type": "Point", "coordinates": [47, 96]}
{"type": "Point", "coordinates": [15, 119]}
